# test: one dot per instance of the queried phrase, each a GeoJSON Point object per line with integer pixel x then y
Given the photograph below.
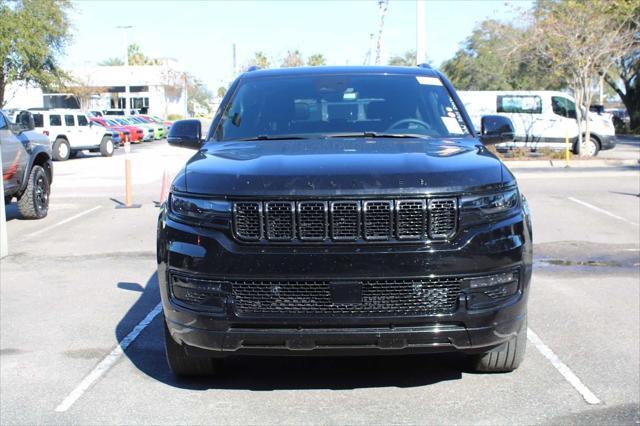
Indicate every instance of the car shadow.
{"type": "Point", "coordinates": [278, 373]}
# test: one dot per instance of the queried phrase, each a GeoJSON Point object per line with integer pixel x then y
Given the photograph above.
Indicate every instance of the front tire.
{"type": "Point", "coordinates": [588, 148]}
{"type": "Point", "coordinates": [183, 365]}
{"type": "Point", "coordinates": [34, 202]}
{"type": "Point", "coordinates": [106, 146]}
{"type": "Point", "coordinates": [61, 150]}
{"type": "Point", "coordinates": [506, 357]}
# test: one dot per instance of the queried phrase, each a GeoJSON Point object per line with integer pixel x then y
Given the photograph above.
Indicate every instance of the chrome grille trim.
{"type": "Point", "coordinates": [411, 219]}
{"type": "Point", "coordinates": [443, 217]}
{"type": "Point", "coordinates": [313, 220]}
{"type": "Point", "coordinates": [378, 220]}
{"type": "Point", "coordinates": [280, 220]}
{"type": "Point", "coordinates": [247, 220]}
{"type": "Point", "coordinates": [345, 220]}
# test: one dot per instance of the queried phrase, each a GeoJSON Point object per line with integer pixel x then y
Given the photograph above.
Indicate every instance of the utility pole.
{"type": "Point", "coordinates": [421, 54]}
{"type": "Point", "coordinates": [126, 67]}
{"type": "Point", "coordinates": [186, 96]}
{"type": "Point", "coordinates": [382, 6]}
{"type": "Point", "coordinates": [235, 63]}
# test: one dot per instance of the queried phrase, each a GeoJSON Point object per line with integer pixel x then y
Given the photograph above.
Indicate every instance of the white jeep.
{"type": "Point", "coordinates": [70, 131]}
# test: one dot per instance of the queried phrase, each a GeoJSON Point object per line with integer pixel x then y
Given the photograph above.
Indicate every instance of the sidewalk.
{"type": "Point", "coordinates": [577, 164]}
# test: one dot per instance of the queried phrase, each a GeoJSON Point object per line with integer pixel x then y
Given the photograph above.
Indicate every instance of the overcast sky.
{"type": "Point", "coordinates": [200, 34]}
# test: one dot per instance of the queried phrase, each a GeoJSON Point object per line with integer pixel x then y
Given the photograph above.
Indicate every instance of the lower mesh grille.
{"type": "Point", "coordinates": [419, 296]}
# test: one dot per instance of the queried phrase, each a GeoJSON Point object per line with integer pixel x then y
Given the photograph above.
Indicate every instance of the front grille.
{"type": "Point", "coordinates": [346, 220]}
{"type": "Point", "coordinates": [420, 296]}
{"type": "Point", "coordinates": [442, 217]}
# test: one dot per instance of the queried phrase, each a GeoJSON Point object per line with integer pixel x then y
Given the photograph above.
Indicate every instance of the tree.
{"type": "Point", "coordinates": [259, 60]}
{"type": "Point", "coordinates": [496, 57]}
{"type": "Point", "coordinates": [33, 33]}
{"type": "Point", "coordinates": [198, 96]}
{"type": "Point", "coordinates": [82, 89]}
{"type": "Point", "coordinates": [316, 60]}
{"type": "Point", "coordinates": [408, 59]}
{"type": "Point", "coordinates": [221, 91]}
{"type": "Point", "coordinates": [624, 79]}
{"type": "Point", "coordinates": [582, 40]}
{"type": "Point", "coordinates": [293, 59]}
{"type": "Point", "coordinates": [110, 62]}
{"type": "Point", "coordinates": [135, 57]}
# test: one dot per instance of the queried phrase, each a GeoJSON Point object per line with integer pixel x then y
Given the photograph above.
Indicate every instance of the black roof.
{"type": "Point", "coordinates": [328, 70]}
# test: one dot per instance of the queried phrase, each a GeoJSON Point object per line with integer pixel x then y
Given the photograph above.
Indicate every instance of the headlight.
{"type": "Point", "coordinates": [490, 204]}
{"type": "Point", "coordinates": [200, 209]}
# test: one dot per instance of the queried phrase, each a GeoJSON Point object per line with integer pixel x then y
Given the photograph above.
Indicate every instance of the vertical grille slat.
{"type": "Point", "coordinates": [443, 217]}
{"type": "Point", "coordinates": [248, 220]}
{"type": "Point", "coordinates": [378, 220]}
{"type": "Point", "coordinates": [280, 220]}
{"type": "Point", "coordinates": [411, 219]}
{"type": "Point", "coordinates": [427, 219]}
{"type": "Point", "coordinates": [345, 220]}
{"type": "Point", "coordinates": [312, 220]}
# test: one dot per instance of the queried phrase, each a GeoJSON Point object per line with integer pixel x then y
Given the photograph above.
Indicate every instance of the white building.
{"type": "Point", "coordinates": [153, 89]}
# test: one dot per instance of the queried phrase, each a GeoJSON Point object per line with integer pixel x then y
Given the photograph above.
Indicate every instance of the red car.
{"type": "Point", "coordinates": [134, 133]}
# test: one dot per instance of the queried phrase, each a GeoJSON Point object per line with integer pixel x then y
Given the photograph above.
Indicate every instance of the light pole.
{"type": "Point", "coordinates": [421, 56]}
{"type": "Point", "coordinates": [126, 66]}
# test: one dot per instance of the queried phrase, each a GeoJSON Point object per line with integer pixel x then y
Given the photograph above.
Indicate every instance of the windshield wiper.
{"type": "Point", "coordinates": [272, 138]}
{"type": "Point", "coordinates": [369, 134]}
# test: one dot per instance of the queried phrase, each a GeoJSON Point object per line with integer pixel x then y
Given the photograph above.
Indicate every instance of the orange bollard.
{"type": "Point", "coordinates": [128, 196]}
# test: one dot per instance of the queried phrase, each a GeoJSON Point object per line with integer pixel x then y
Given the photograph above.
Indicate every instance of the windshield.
{"type": "Point", "coordinates": [325, 105]}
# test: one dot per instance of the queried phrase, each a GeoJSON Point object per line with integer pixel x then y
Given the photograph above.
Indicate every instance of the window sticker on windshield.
{"type": "Point", "coordinates": [429, 81]}
{"type": "Point", "coordinates": [452, 125]}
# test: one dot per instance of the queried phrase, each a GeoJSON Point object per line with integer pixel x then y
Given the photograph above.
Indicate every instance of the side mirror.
{"type": "Point", "coordinates": [25, 122]}
{"type": "Point", "coordinates": [186, 133]}
{"type": "Point", "coordinates": [496, 129]}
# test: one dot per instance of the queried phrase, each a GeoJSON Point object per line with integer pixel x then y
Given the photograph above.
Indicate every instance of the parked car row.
{"type": "Point", "coordinates": [70, 131]}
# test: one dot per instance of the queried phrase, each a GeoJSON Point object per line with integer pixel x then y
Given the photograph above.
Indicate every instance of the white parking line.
{"type": "Point", "coordinates": [108, 361]}
{"type": "Point", "coordinates": [603, 211]}
{"type": "Point", "coordinates": [562, 368]}
{"type": "Point", "coordinates": [67, 220]}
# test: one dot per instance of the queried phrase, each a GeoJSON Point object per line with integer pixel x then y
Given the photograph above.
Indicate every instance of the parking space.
{"type": "Point", "coordinates": [82, 281]}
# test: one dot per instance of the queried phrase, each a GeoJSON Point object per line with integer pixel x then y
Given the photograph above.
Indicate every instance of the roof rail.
{"type": "Point", "coordinates": [425, 65]}
{"type": "Point", "coordinates": [253, 68]}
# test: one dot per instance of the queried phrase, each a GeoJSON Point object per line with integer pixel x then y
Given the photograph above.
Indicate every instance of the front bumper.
{"type": "Point", "coordinates": [607, 142]}
{"type": "Point", "coordinates": [209, 253]}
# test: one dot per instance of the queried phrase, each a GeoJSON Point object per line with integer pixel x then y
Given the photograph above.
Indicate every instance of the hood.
{"type": "Point", "coordinates": [334, 167]}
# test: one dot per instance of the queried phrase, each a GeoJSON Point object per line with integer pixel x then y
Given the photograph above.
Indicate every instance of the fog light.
{"type": "Point", "coordinates": [491, 280]}
{"type": "Point", "coordinates": [487, 291]}
{"type": "Point", "coordinates": [199, 293]}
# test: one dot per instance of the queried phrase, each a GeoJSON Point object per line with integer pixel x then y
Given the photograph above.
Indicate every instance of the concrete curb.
{"type": "Point", "coordinates": [574, 164]}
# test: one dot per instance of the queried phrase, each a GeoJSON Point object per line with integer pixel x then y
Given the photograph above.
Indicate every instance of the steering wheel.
{"type": "Point", "coordinates": [420, 123]}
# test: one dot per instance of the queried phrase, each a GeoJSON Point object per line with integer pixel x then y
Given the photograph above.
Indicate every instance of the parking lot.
{"type": "Point", "coordinates": [81, 337]}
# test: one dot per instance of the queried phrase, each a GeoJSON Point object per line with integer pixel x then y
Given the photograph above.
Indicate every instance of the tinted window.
{"type": "Point", "coordinates": [82, 121]}
{"type": "Point", "coordinates": [68, 120]}
{"type": "Point", "coordinates": [520, 104]}
{"type": "Point", "coordinates": [563, 106]}
{"type": "Point", "coordinates": [3, 122]}
{"type": "Point", "coordinates": [326, 104]}
{"type": "Point", "coordinates": [38, 120]}
{"type": "Point", "coordinates": [55, 120]}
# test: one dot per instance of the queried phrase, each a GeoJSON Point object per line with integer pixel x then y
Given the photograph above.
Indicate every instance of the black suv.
{"type": "Point", "coordinates": [343, 210]}
{"type": "Point", "coordinates": [26, 165]}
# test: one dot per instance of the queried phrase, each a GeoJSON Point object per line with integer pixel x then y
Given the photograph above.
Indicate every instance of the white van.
{"type": "Point", "coordinates": [70, 132]}
{"type": "Point", "coordinates": [542, 119]}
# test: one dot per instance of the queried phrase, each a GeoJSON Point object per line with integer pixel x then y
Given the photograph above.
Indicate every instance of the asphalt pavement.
{"type": "Point", "coordinates": [81, 339]}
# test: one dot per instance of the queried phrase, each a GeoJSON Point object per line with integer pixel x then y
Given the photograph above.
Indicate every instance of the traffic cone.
{"type": "Point", "coordinates": [164, 191]}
